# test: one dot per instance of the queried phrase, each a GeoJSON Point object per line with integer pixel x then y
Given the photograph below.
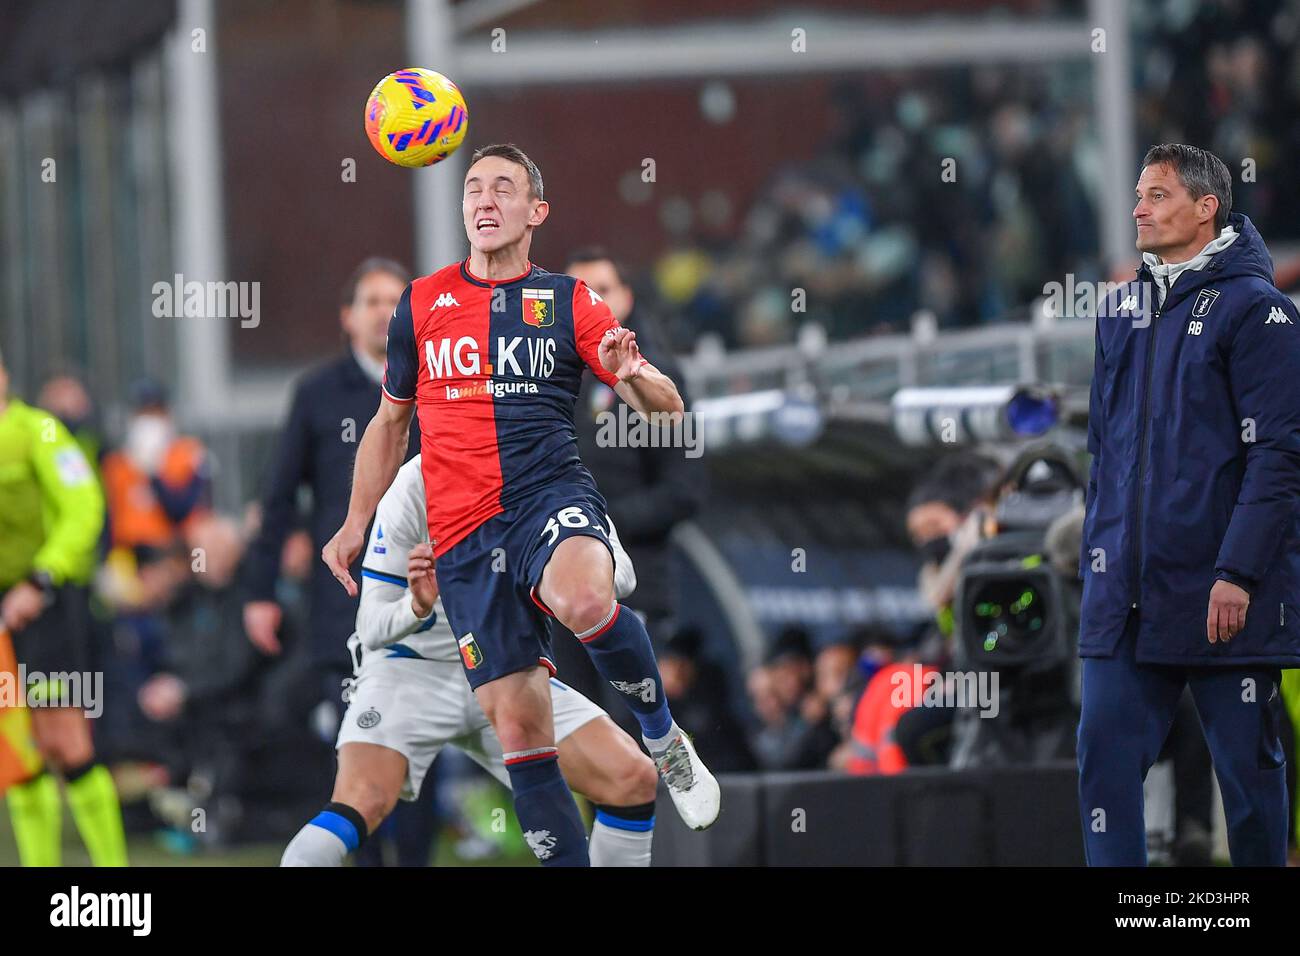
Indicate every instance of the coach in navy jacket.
{"type": "Point", "coordinates": [330, 409]}
{"type": "Point", "coordinates": [1191, 549]}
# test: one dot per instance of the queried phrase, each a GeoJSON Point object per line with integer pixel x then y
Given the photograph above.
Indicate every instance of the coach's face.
{"type": "Point", "coordinates": [1167, 216]}
{"type": "Point", "coordinates": [499, 208]}
{"type": "Point", "coordinates": [602, 277]}
{"type": "Point", "coordinates": [366, 320]}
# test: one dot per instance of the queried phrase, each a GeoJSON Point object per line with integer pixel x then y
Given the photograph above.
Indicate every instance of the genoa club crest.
{"type": "Point", "coordinates": [539, 307]}
{"type": "Point", "coordinates": [469, 652]}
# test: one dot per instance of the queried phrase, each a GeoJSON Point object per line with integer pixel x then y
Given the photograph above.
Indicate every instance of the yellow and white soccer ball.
{"type": "Point", "coordinates": [416, 117]}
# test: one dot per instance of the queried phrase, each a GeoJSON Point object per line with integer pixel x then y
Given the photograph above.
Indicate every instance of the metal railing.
{"type": "Point", "coordinates": [855, 381]}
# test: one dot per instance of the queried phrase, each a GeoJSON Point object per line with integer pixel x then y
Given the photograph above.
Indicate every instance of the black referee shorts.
{"type": "Point", "coordinates": [58, 640]}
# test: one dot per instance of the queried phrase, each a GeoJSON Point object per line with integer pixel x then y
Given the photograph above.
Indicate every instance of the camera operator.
{"type": "Point", "coordinates": [947, 515]}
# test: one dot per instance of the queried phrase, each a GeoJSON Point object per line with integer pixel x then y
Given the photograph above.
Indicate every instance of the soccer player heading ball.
{"type": "Point", "coordinates": [491, 351]}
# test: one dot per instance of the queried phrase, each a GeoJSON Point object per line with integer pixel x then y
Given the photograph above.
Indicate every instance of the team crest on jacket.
{"type": "Point", "coordinates": [1204, 301]}
{"type": "Point", "coordinates": [539, 307]}
{"type": "Point", "coordinates": [469, 652]}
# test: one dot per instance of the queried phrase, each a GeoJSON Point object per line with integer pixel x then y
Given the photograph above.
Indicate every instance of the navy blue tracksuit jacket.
{"type": "Point", "coordinates": [1194, 429]}
{"type": "Point", "coordinates": [316, 450]}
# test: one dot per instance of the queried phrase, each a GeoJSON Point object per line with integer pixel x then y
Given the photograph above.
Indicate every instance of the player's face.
{"type": "Point", "coordinates": [1167, 216]}
{"type": "Point", "coordinates": [499, 207]}
{"type": "Point", "coordinates": [602, 278]}
{"type": "Point", "coordinates": [366, 320]}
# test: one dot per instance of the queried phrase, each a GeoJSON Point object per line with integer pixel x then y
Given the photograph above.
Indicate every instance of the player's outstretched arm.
{"type": "Point", "coordinates": [640, 384]}
{"type": "Point", "coordinates": [380, 454]}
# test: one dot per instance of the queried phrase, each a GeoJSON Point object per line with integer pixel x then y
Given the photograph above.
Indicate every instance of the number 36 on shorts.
{"type": "Point", "coordinates": [571, 517]}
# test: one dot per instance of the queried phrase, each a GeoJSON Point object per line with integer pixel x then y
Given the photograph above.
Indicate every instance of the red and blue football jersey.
{"type": "Point", "coordinates": [494, 368]}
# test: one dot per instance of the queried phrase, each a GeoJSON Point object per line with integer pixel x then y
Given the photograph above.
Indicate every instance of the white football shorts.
{"type": "Point", "coordinates": [417, 707]}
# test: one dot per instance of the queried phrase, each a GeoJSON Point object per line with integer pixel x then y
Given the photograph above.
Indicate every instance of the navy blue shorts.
{"type": "Point", "coordinates": [486, 580]}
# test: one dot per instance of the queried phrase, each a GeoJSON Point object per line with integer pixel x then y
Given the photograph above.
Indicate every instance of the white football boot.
{"type": "Point", "coordinates": [694, 790]}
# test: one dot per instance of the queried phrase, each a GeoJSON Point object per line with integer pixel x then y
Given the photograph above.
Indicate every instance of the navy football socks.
{"type": "Point", "coordinates": [620, 650]}
{"type": "Point", "coordinates": [545, 808]}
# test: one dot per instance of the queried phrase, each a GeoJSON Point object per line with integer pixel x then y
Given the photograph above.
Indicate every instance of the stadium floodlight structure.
{"type": "Point", "coordinates": [972, 414]}
{"type": "Point", "coordinates": [787, 417]}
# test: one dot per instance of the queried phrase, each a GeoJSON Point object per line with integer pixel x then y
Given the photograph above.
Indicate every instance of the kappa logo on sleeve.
{"type": "Point", "coordinates": [1278, 316]}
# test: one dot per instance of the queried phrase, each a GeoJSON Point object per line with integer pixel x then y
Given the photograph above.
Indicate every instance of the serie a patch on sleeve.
{"type": "Point", "coordinates": [71, 467]}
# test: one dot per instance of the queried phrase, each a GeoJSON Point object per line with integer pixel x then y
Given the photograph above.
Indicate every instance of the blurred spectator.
{"type": "Point", "coordinates": [212, 708]}
{"type": "Point", "coordinates": [879, 742]}
{"type": "Point", "coordinates": [796, 730]}
{"type": "Point", "coordinates": [831, 670]}
{"type": "Point", "coordinates": [138, 588]}
{"type": "Point", "coordinates": [157, 480]}
{"type": "Point", "coordinates": [696, 688]}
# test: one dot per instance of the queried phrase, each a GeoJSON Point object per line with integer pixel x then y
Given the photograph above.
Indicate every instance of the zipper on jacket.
{"type": "Point", "coordinates": [1142, 460]}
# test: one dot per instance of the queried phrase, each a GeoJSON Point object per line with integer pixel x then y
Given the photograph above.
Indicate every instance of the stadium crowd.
{"type": "Point", "coordinates": [874, 233]}
{"type": "Point", "coordinates": [931, 194]}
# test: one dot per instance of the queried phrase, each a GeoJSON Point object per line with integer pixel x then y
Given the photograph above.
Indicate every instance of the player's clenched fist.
{"type": "Point", "coordinates": [421, 579]}
{"type": "Point", "coordinates": [619, 353]}
{"type": "Point", "coordinates": [339, 553]}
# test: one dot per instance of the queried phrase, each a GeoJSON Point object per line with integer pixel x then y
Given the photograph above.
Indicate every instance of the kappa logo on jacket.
{"type": "Point", "coordinates": [444, 301]}
{"type": "Point", "coordinates": [1278, 316]}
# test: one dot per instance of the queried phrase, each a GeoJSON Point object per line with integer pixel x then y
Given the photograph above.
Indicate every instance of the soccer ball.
{"type": "Point", "coordinates": [416, 117]}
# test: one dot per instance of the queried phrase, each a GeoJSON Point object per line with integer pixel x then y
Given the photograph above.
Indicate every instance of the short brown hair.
{"type": "Point", "coordinates": [1200, 171]}
{"type": "Point", "coordinates": [373, 264]}
{"type": "Point", "coordinates": [516, 155]}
